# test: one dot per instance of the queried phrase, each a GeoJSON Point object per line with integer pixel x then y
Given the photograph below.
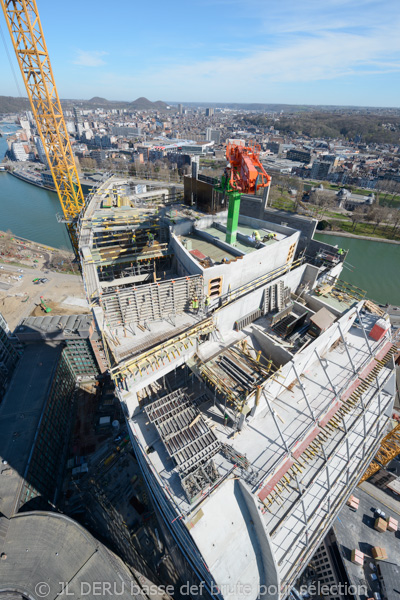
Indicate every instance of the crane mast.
{"type": "Point", "coordinates": [244, 175]}
{"type": "Point", "coordinates": [30, 48]}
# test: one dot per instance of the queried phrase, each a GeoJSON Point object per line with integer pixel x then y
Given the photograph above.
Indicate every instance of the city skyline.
{"type": "Point", "coordinates": [345, 53]}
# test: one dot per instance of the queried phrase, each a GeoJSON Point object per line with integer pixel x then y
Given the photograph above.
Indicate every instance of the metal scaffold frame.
{"type": "Point", "coordinates": [150, 302]}
{"type": "Point", "coordinates": [156, 357]}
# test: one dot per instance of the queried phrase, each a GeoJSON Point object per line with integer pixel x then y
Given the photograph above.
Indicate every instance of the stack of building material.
{"type": "Point", "coordinates": [353, 502]}
{"type": "Point", "coordinates": [379, 553]}
{"type": "Point", "coordinates": [392, 524]}
{"type": "Point", "coordinates": [357, 557]}
{"type": "Point", "coordinates": [379, 329]}
{"type": "Point", "coordinates": [380, 525]}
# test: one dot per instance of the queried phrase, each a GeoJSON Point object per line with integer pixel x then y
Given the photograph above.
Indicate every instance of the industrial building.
{"type": "Point", "coordinates": [37, 409]}
{"type": "Point", "coordinates": [375, 570]}
{"type": "Point", "coordinates": [8, 355]}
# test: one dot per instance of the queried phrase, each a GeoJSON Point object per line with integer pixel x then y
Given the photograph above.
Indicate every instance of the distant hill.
{"type": "Point", "coordinates": [8, 105]}
{"type": "Point", "coordinates": [97, 100]}
{"type": "Point", "coordinates": [382, 128]}
{"type": "Point", "coordinates": [138, 104]}
{"type": "Point", "coordinates": [145, 104]}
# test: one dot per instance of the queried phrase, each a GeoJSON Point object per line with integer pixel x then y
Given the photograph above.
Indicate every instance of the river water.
{"type": "Point", "coordinates": [29, 211]}
{"type": "Point", "coordinates": [371, 266]}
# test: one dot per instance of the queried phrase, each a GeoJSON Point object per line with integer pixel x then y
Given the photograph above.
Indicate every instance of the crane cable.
{"type": "Point", "coordinates": [10, 61]}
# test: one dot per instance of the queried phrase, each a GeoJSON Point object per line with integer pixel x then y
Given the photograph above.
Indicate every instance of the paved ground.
{"type": "Point", "coordinates": [19, 297]}
{"type": "Point", "coordinates": [381, 496]}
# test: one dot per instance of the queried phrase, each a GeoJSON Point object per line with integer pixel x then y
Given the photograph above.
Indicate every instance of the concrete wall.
{"type": "Point", "coordinates": [304, 359]}
{"type": "Point", "coordinates": [304, 224]}
{"type": "Point", "coordinates": [261, 223]}
{"type": "Point", "coordinates": [310, 276]}
{"type": "Point", "coordinates": [315, 246]}
{"type": "Point", "coordinates": [239, 272]}
{"type": "Point", "coordinates": [278, 354]}
{"type": "Point", "coordinates": [316, 303]}
{"type": "Point", "coordinates": [252, 206]}
{"type": "Point", "coordinates": [187, 225]}
{"type": "Point", "coordinates": [252, 265]}
{"type": "Point", "coordinates": [185, 264]}
{"type": "Point", "coordinates": [226, 317]}
{"type": "Point", "coordinates": [269, 588]}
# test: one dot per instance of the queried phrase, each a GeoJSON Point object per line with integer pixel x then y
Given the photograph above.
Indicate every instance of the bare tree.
{"type": "Point", "coordinates": [370, 215]}
{"type": "Point", "coordinates": [395, 220]}
{"type": "Point", "coordinates": [381, 213]}
{"type": "Point", "coordinates": [356, 216]}
{"type": "Point", "coordinates": [395, 190]}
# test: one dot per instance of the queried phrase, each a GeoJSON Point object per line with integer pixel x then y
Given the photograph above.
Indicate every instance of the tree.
{"type": "Point", "coordinates": [88, 163]}
{"type": "Point", "coordinates": [395, 220]}
{"type": "Point", "coordinates": [370, 215]}
{"type": "Point", "coordinates": [356, 216]}
{"type": "Point", "coordinates": [380, 215]}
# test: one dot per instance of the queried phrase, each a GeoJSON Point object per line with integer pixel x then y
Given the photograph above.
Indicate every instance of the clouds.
{"type": "Point", "coordinates": [325, 55]}
{"type": "Point", "coordinates": [291, 51]}
{"type": "Point", "coordinates": [89, 58]}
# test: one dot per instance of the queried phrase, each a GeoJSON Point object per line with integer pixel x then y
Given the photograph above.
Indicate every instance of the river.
{"type": "Point", "coordinates": [29, 211]}
{"type": "Point", "coordinates": [371, 266]}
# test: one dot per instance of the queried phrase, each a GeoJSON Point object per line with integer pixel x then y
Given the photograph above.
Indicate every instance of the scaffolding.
{"type": "Point", "coordinates": [188, 440]}
{"type": "Point", "coordinates": [151, 302]}
{"type": "Point", "coordinates": [313, 446]}
{"type": "Point", "coordinates": [234, 375]}
{"type": "Point", "coordinates": [157, 357]}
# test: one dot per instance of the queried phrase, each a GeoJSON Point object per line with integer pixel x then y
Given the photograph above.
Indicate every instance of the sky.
{"type": "Point", "coordinates": [334, 52]}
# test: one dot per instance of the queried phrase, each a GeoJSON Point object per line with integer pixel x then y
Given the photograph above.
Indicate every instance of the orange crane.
{"type": "Point", "coordinates": [247, 175]}
{"type": "Point", "coordinates": [244, 175]}
{"type": "Point", "coordinates": [27, 37]}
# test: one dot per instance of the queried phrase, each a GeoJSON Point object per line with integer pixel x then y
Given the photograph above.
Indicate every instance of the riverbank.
{"type": "Point", "coordinates": [21, 252]}
{"type": "Point", "coordinates": [32, 180]}
{"type": "Point", "coordinates": [29, 242]}
{"type": "Point", "coordinates": [358, 237]}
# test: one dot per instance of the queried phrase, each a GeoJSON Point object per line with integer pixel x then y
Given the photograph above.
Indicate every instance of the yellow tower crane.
{"type": "Point", "coordinates": [388, 450]}
{"type": "Point", "coordinates": [30, 48]}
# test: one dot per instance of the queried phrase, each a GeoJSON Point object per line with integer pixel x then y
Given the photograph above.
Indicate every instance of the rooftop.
{"type": "Point", "coordinates": [20, 412]}
{"type": "Point", "coordinates": [54, 328]}
{"type": "Point", "coordinates": [40, 547]}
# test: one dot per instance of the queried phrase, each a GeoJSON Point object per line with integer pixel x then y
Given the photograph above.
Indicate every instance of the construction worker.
{"type": "Point", "coordinates": [256, 237]}
{"type": "Point", "coordinates": [150, 237]}
{"type": "Point", "coordinates": [206, 303]}
{"type": "Point", "coordinates": [340, 251]}
{"type": "Point", "coordinates": [195, 304]}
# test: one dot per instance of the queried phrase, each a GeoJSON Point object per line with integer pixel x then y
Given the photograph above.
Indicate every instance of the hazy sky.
{"type": "Point", "coordinates": [289, 51]}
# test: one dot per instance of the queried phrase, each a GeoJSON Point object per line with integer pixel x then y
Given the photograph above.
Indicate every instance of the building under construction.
{"type": "Point", "coordinates": [256, 385]}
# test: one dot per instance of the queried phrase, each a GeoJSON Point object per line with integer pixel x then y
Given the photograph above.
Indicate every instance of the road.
{"type": "Point", "coordinates": [381, 496]}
